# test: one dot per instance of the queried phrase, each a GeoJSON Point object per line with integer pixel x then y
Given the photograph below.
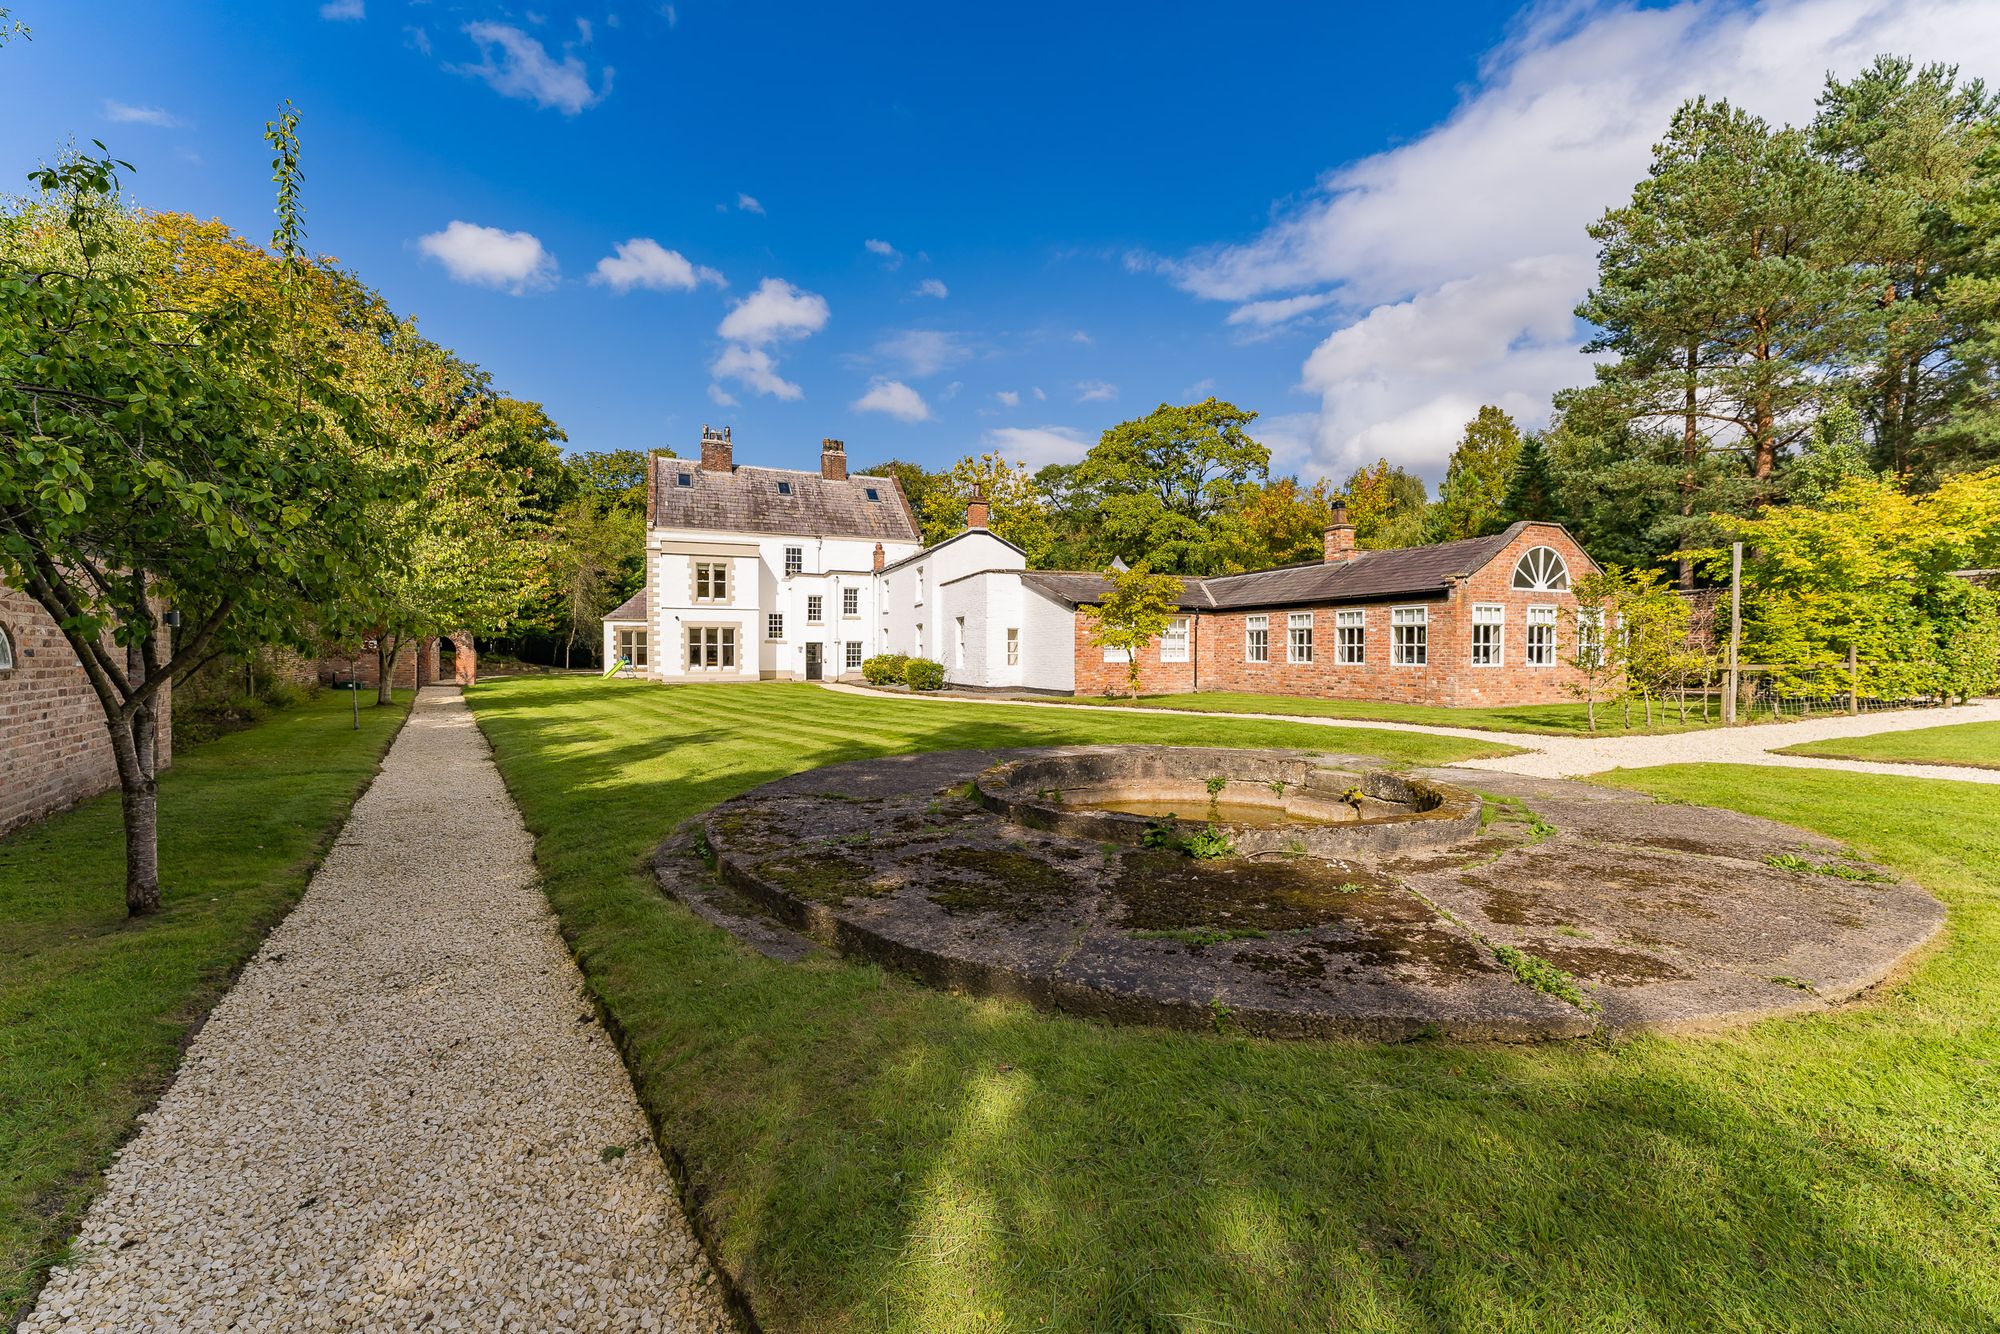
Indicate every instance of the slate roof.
{"type": "Point", "coordinates": [747, 500]}
{"type": "Point", "coordinates": [1370, 576]}
{"type": "Point", "coordinates": [631, 609]}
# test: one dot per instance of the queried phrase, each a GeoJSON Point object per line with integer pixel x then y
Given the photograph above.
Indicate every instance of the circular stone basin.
{"type": "Point", "coordinates": [1574, 907]}
{"type": "Point", "coordinates": [1267, 802]}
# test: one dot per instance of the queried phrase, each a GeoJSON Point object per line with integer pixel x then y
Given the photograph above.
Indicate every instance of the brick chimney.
{"type": "Point", "coordinates": [977, 511]}
{"type": "Point", "coordinates": [880, 558]}
{"type": "Point", "coordinates": [833, 460]}
{"type": "Point", "coordinates": [1339, 536]}
{"type": "Point", "coordinates": [715, 450]}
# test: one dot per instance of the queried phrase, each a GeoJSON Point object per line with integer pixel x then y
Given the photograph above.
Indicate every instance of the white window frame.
{"type": "Point", "coordinates": [1549, 575]}
{"type": "Point", "coordinates": [1409, 636]}
{"type": "Point", "coordinates": [853, 659]}
{"type": "Point", "coordinates": [6, 649]}
{"type": "Point", "coordinates": [850, 602]}
{"type": "Point", "coordinates": [1174, 640]}
{"type": "Point", "coordinates": [1118, 655]}
{"type": "Point", "coordinates": [1350, 636]}
{"type": "Point", "coordinates": [1590, 635]}
{"type": "Point", "coordinates": [815, 609]}
{"type": "Point", "coordinates": [1541, 636]}
{"type": "Point", "coordinates": [958, 642]}
{"type": "Point", "coordinates": [1013, 646]}
{"type": "Point", "coordinates": [1256, 639]}
{"type": "Point", "coordinates": [795, 560]}
{"type": "Point", "coordinates": [631, 644]}
{"type": "Point", "coordinates": [1299, 637]}
{"type": "Point", "coordinates": [713, 575]}
{"type": "Point", "coordinates": [774, 625]}
{"type": "Point", "coordinates": [1489, 616]}
{"type": "Point", "coordinates": [717, 641]}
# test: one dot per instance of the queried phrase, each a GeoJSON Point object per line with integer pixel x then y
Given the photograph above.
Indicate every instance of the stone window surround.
{"type": "Point", "coordinates": [726, 640]}
{"type": "Point", "coordinates": [719, 568]}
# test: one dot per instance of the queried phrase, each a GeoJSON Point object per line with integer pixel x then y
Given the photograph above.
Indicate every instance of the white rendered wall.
{"type": "Point", "coordinates": [1048, 644]}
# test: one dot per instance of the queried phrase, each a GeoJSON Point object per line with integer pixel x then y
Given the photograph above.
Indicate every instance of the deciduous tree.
{"type": "Point", "coordinates": [1475, 480]}
{"type": "Point", "coordinates": [1133, 613]}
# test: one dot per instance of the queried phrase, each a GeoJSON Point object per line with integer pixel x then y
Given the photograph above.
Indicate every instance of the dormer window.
{"type": "Point", "coordinates": [872, 493]}
{"type": "Point", "coordinates": [784, 488]}
{"type": "Point", "coordinates": [683, 479]}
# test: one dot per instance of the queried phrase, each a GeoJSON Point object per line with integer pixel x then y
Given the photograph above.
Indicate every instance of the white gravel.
{"type": "Point", "coordinates": [402, 1117]}
{"type": "Point", "coordinates": [1574, 757]}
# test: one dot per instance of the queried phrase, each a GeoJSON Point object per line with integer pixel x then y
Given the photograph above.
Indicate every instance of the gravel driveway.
{"type": "Point", "coordinates": [404, 1115]}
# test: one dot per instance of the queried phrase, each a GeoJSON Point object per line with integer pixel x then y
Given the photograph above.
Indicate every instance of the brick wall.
{"type": "Point", "coordinates": [415, 665]}
{"type": "Point", "coordinates": [54, 750]}
{"type": "Point", "coordinates": [1447, 677]}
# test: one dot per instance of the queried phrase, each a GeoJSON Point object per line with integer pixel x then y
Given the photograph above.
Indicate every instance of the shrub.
{"type": "Point", "coordinates": [923, 674]}
{"type": "Point", "coordinates": [289, 695]}
{"type": "Point", "coordinates": [885, 669]}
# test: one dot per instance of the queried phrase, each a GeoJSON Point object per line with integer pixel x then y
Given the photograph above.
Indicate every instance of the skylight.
{"type": "Point", "coordinates": [873, 494]}
{"type": "Point", "coordinates": [784, 488]}
{"type": "Point", "coordinates": [683, 479]}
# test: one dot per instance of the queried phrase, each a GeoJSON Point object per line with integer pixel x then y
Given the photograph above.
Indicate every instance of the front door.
{"type": "Point", "coordinates": [812, 662]}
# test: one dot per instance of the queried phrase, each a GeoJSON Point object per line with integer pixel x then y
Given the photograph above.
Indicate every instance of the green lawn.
{"type": "Point", "coordinates": [1975, 744]}
{"type": "Point", "coordinates": [1543, 719]}
{"type": "Point", "coordinates": [872, 1155]}
{"type": "Point", "coordinates": [95, 1008]}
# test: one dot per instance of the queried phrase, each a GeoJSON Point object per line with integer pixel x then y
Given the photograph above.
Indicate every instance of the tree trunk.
{"type": "Point", "coordinates": [139, 797]}
{"type": "Point", "coordinates": [385, 670]}
{"type": "Point", "coordinates": [1690, 459]}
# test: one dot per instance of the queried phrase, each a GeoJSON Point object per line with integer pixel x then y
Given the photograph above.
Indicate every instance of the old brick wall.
{"type": "Point", "coordinates": [1095, 676]}
{"type": "Point", "coordinates": [416, 664]}
{"type": "Point", "coordinates": [54, 750]}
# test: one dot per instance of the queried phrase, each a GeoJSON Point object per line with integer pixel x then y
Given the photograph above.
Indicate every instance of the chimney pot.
{"type": "Point", "coordinates": [1339, 536]}
{"type": "Point", "coordinates": [880, 558]}
{"type": "Point", "coordinates": [716, 450]}
{"type": "Point", "coordinates": [833, 460]}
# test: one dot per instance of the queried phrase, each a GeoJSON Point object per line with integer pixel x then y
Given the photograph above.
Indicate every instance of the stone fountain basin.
{"type": "Point", "coordinates": [1281, 802]}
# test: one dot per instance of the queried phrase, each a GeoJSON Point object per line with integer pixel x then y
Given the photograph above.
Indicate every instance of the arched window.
{"type": "Point", "coordinates": [1542, 571]}
{"type": "Point", "coordinates": [6, 650]}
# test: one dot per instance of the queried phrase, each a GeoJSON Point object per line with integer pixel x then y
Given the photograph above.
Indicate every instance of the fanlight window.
{"type": "Point", "coordinates": [6, 651]}
{"type": "Point", "coordinates": [1542, 571]}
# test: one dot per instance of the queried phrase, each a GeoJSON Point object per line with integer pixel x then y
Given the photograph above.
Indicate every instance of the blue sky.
{"type": "Point", "coordinates": [933, 230]}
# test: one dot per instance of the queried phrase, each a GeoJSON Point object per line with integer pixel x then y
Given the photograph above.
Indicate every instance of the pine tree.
{"type": "Point", "coordinates": [1531, 486]}
{"type": "Point", "coordinates": [1475, 480]}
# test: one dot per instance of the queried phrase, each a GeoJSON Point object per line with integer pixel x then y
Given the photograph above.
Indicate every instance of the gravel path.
{"type": "Point", "coordinates": [403, 1116]}
{"type": "Point", "coordinates": [1574, 757]}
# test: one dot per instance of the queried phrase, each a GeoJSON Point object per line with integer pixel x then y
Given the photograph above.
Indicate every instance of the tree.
{"type": "Point", "coordinates": [1652, 622]}
{"type": "Point", "coordinates": [1531, 486]}
{"type": "Point", "coordinates": [921, 487]}
{"type": "Point", "coordinates": [1016, 511]}
{"type": "Point", "coordinates": [1161, 481]}
{"type": "Point", "coordinates": [1475, 479]}
{"type": "Point", "coordinates": [1596, 650]}
{"type": "Point", "coordinates": [1386, 504]}
{"type": "Point", "coordinates": [159, 462]}
{"type": "Point", "coordinates": [1836, 451]}
{"type": "Point", "coordinates": [1909, 137]}
{"type": "Point", "coordinates": [1282, 523]}
{"type": "Point", "coordinates": [1134, 611]}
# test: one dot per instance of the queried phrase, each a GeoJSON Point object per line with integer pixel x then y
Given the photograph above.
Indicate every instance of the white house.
{"type": "Point", "coordinates": [771, 573]}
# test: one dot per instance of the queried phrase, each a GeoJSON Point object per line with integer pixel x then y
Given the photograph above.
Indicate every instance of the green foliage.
{"type": "Point", "coordinates": [1156, 486]}
{"type": "Point", "coordinates": [923, 674]}
{"type": "Point", "coordinates": [1386, 503]}
{"type": "Point", "coordinates": [1531, 486]}
{"type": "Point", "coordinates": [1208, 843]}
{"type": "Point", "coordinates": [1281, 523]}
{"type": "Point", "coordinates": [1475, 479]}
{"type": "Point", "coordinates": [1535, 971]}
{"type": "Point", "coordinates": [885, 669]}
{"type": "Point", "coordinates": [1134, 611]}
{"type": "Point", "coordinates": [1016, 509]}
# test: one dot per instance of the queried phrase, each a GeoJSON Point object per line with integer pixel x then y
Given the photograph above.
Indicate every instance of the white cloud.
{"type": "Point", "coordinates": [126, 114]}
{"type": "Point", "coordinates": [721, 396]}
{"type": "Point", "coordinates": [1038, 446]}
{"type": "Point", "coordinates": [343, 9]}
{"type": "Point", "coordinates": [418, 40]}
{"type": "Point", "coordinates": [951, 390]}
{"type": "Point", "coordinates": [583, 31]}
{"type": "Point", "coordinates": [1008, 398]}
{"type": "Point", "coordinates": [644, 262]}
{"type": "Point", "coordinates": [896, 399]}
{"type": "Point", "coordinates": [1040, 397]}
{"type": "Point", "coordinates": [1095, 391]}
{"type": "Point", "coordinates": [754, 368]}
{"type": "Point", "coordinates": [891, 257]}
{"type": "Point", "coordinates": [514, 64]}
{"type": "Point", "coordinates": [490, 257]}
{"type": "Point", "coordinates": [776, 312]}
{"type": "Point", "coordinates": [932, 287]}
{"type": "Point", "coordinates": [924, 352]}
{"type": "Point", "coordinates": [1451, 262]}
{"type": "Point", "coordinates": [749, 204]}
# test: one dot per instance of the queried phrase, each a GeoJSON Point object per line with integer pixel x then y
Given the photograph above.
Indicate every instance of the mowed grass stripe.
{"type": "Point", "coordinates": [874, 1155]}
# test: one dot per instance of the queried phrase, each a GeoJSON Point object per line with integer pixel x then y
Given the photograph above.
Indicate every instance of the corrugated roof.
{"type": "Point", "coordinates": [631, 609]}
{"type": "Point", "coordinates": [747, 500]}
{"type": "Point", "coordinates": [1369, 577]}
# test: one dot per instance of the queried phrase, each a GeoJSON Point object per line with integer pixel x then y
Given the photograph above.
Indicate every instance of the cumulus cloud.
{"type": "Point", "coordinates": [126, 114]}
{"type": "Point", "coordinates": [1038, 446]}
{"type": "Point", "coordinates": [1451, 262]}
{"type": "Point", "coordinates": [933, 287]}
{"type": "Point", "coordinates": [343, 9]}
{"type": "Point", "coordinates": [924, 352]}
{"type": "Point", "coordinates": [644, 262]}
{"type": "Point", "coordinates": [1008, 398]}
{"type": "Point", "coordinates": [515, 64]}
{"type": "Point", "coordinates": [776, 312]}
{"type": "Point", "coordinates": [896, 399]}
{"type": "Point", "coordinates": [1095, 391]}
{"type": "Point", "coordinates": [489, 257]}
{"type": "Point", "coordinates": [890, 256]}
{"type": "Point", "coordinates": [749, 204]}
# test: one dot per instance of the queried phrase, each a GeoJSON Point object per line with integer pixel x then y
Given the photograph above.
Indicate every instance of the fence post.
{"type": "Point", "coordinates": [1735, 630]}
{"type": "Point", "coordinates": [1853, 680]}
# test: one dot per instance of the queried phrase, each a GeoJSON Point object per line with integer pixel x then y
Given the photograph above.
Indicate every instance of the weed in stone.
{"type": "Point", "coordinates": [1573, 933]}
{"type": "Point", "coordinates": [611, 1153]}
{"type": "Point", "coordinates": [1536, 972]}
{"type": "Point", "coordinates": [1220, 1013]}
{"type": "Point", "coordinates": [1209, 844]}
{"type": "Point", "coordinates": [1791, 861]}
{"type": "Point", "coordinates": [1202, 935]}
{"type": "Point", "coordinates": [1796, 983]}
